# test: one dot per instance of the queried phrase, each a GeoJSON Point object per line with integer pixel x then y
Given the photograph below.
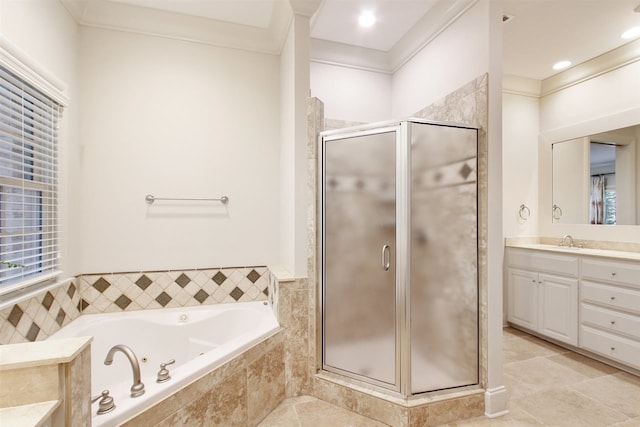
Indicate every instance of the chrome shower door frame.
{"type": "Point", "coordinates": [401, 245]}
{"type": "Point", "coordinates": [403, 221]}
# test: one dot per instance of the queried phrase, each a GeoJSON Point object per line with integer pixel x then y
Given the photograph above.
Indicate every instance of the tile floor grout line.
{"type": "Point", "coordinates": [603, 404]}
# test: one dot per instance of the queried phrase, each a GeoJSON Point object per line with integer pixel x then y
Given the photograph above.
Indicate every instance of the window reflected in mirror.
{"type": "Point", "coordinates": [595, 179]}
{"type": "Point", "coordinates": [602, 186]}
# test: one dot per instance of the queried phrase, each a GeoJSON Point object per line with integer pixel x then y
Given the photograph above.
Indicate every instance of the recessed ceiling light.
{"type": "Point", "coordinates": [561, 65]}
{"type": "Point", "coordinates": [631, 33]}
{"type": "Point", "coordinates": [367, 19]}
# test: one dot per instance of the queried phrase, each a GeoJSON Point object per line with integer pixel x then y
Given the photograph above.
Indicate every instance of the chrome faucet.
{"type": "Point", "coordinates": [137, 389]}
{"type": "Point", "coordinates": [567, 237]}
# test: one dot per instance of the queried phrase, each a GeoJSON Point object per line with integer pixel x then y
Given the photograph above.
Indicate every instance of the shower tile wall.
{"type": "Point", "coordinates": [468, 105]}
{"type": "Point", "coordinates": [44, 314]}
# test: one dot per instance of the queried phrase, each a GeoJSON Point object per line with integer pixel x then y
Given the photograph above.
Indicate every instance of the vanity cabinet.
{"type": "Point", "coordinates": [610, 309]}
{"type": "Point", "coordinates": [543, 293]}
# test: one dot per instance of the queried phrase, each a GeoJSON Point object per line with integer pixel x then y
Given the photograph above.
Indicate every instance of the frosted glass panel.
{"type": "Point", "coordinates": [359, 293]}
{"type": "Point", "coordinates": [444, 256]}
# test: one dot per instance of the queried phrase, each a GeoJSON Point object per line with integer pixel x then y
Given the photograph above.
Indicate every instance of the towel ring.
{"type": "Point", "coordinates": [556, 212]}
{"type": "Point", "coordinates": [524, 212]}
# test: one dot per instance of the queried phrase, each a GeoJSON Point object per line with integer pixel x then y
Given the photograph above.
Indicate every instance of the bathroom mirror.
{"type": "Point", "coordinates": [595, 179]}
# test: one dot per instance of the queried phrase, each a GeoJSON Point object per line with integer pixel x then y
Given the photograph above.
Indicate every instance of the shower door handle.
{"type": "Point", "coordinates": [386, 258]}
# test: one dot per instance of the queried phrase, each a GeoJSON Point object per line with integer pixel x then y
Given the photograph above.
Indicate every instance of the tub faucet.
{"type": "Point", "coordinates": [565, 238]}
{"type": "Point", "coordinates": [137, 389]}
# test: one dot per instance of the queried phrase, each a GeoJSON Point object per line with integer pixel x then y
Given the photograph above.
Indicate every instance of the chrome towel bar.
{"type": "Point", "coordinates": [149, 198]}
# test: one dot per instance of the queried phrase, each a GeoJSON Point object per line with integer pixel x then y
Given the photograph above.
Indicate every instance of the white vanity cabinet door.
{"type": "Point", "coordinates": [542, 292]}
{"type": "Point", "coordinates": [522, 291]}
{"type": "Point", "coordinates": [558, 310]}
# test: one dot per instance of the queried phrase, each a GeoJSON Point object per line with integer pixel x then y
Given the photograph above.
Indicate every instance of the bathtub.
{"type": "Point", "coordinates": [199, 339]}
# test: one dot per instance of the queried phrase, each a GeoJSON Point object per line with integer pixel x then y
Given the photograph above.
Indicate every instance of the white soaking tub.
{"type": "Point", "coordinates": [199, 339]}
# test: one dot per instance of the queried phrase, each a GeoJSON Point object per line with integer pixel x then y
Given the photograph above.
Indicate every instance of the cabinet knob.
{"type": "Point", "coordinates": [613, 274]}
{"type": "Point", "coordinates": [613, 349]}
{"type": "Point", "coordinates": [613, 322]}
{"type": "Point", "coordinates": [613, 298]}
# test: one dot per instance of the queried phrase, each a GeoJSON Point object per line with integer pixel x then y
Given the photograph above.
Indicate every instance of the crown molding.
{"type": "Point", "coordinates": [442, 15]}
{"type": "Point", "coordinates": [522, 86]}
{"type": "Point", "coordinates": [123, 17]}
{"type": "Point", "coordinates": [435, 21]}
{"type": "Point", "coordinates": [361, 58]}
{"type": "Point", "coordinates": [605, 63]}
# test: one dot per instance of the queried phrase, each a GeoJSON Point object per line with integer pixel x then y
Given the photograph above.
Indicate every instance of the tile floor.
{"type": "Point", "coordinates": [547, 385]}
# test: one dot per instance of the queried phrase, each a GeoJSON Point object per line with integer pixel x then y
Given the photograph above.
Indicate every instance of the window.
{"type": "Point", "coordinates": [28, 184]}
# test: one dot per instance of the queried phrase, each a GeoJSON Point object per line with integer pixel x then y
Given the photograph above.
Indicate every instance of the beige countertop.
{"type": "Point", "coordinates": [604, 253]}
{"type": "Point", "coordinates": [25, 355]}
{"type": "Point", "coordinates": [35, 414]}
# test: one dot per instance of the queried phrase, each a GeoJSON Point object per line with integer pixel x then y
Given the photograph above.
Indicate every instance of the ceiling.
{"type": "Point", "coordinates": [540, 33]}
{"type": "Point", "coordinates": [543, 32]}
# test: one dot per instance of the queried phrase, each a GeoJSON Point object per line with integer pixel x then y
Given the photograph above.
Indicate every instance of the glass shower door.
{"type": "Point", "coordinates": [359, 232]}
{"type": "Point", "coordinates": [444, 257]}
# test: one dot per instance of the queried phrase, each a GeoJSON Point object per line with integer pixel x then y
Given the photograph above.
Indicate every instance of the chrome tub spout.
{"type": "Point", "coordinates": [137, 389]}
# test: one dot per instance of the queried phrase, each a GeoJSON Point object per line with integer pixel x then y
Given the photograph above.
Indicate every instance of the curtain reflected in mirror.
{"type": "Point", "coordinates": [595, 179]}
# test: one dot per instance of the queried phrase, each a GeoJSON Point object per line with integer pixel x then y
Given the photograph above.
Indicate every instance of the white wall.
{"type": "Point", "coordinates": [520, 163]}
{"type": "Point", "coordinates": [177, 119]}
{"type": "Point", "coordinates": [45, 32]}
{"type": "Point", "coordinates": [294, 92]}
{"type": "Point", "coordinates": [608, 101]}
{"type": "Point", "coordinates": [351, 94]}
{"type": "Point", "coordinates": [458, 55]}
{"type": "Point", "coordinates": [570, 180]}
{"type": "Point", "coordinates": [609, 94]}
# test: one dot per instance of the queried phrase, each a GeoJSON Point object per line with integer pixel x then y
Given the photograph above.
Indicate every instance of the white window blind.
{"type": "Point", "coordinates": [28, 184]}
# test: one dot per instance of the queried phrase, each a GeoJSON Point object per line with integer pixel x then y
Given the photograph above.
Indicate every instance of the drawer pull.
{"type": "Point", "coordinates": [613, 274]}
{"type": "Point", "coordinates": [613, 349]}
{"type": "Point", "coordinates": [613, 298]}
{"type": "Point", "coordinates": [613, 322]}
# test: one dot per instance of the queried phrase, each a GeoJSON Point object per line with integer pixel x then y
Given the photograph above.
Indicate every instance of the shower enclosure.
{"type": "Point", "coordinates": [399, 255]}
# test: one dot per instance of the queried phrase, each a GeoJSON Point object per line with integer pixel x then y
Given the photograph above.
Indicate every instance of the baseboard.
{"type": "Point", "coordinates": [495, 402]}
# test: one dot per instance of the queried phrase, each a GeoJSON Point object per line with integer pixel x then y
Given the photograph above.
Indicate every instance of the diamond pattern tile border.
{"type": "Point", "coordinates": [99, 293]}
{"type": "Point", "coordinates": [158, 289]}
{"type": "Point", "coordinates": [40, 316]}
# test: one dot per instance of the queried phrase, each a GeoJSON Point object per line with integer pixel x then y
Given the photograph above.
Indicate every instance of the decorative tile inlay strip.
{"type": "Point", "coordinates": [158, 289]}
{"type": "Point", "coordinates": [40, 316]}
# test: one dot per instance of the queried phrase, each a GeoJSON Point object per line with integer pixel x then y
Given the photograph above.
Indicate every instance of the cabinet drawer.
{"type": "Point", "coordinates": [611, 321]}
{"type": "Point", "coordinates": [543, 262]}
{"type": "Point", "coordinates": [611, 296]}
{"type": "Point", "coordinates": [617, 348]}
{"type": "Point", "coordinates": [624, 273]}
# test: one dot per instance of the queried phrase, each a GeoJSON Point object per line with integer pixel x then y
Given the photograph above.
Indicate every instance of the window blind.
{"type": "Point", "coordinates": [28, 184]}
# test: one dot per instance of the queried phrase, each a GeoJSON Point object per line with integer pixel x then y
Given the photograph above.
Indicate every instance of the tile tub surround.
{"type": "Point", "coordinates": [241, 392]}
{"type": "Point", "coordinates": [40, 316]}
{"type": "Point", "coordinates": [47, 372]}
{"type": "Point", "coordinates": [44, 314]}
{"type": "Point", "coordinates": [465, 105]}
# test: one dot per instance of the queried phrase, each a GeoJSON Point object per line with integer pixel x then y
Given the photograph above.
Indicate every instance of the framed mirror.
{"type": "Point", "coordinates": [596, 180]}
